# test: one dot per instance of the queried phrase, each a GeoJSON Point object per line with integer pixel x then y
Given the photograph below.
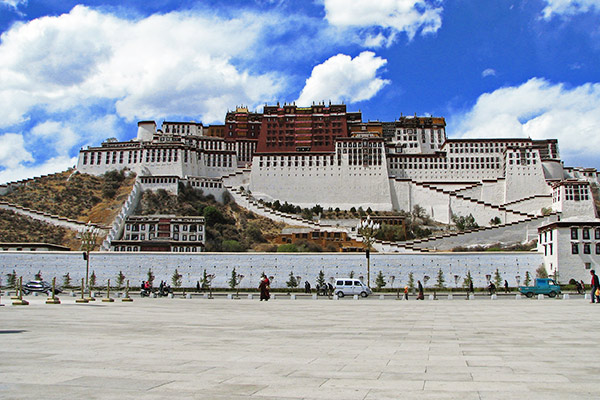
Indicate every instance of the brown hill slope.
{"type": "Point", "coordinates": [16, 228]}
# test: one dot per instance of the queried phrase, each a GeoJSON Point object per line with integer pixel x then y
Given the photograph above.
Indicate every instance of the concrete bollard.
{"type": "Point", "coordinates": [292, 296]}
{"type": "Point", "coordinates": [314, 296]}
{"type": "Point", "coordinates": [540, 296]}
{"type": "Point", "coordinates": [471, 296]}
{"type": "Point", "coordinates": [518, 296]}
{"type": "Point", "coordinates": [335, 297]}
{"type": "Point", "coordinates": [188, 296]}
{"type": "Point", "coordinates": [431, 297]}
{"type": "Point", "coordinates": [205, 295]}
{"type": "Point", "coordinates": [229, 296]}
{"type": "Point", "coordinates": [250, 297]}
{"type": "Point", "coordinates": [355, 297]}
{"type": "Point", "coordinates": [154, 295]}
{"type": "Point", "coordinates": [494, 297]}
{"type": "Point", "coordinates": [566, 296]}
{"type": "Point", "coordinates": [450, 297]}
{"type": "Point", "coordinates": [273, 296]}
{"type": "Point", "coordinates": [587, 296]}
{"type": "Point", "coordinates": [381, 297]}
{"type": "Point", "coordinates": [171, 295]}
{"type": "Point", "coordinates": [72, 294]}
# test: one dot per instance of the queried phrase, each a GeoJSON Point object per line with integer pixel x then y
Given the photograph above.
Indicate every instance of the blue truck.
{"type": "Point", "coordinates": [544, 286]}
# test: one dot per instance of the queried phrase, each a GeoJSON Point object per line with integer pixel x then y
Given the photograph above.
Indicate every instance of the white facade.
{"type": "Point", "coordinates": [570, 248]}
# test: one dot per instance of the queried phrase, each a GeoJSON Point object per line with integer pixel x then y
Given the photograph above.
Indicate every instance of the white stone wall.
{"type": "Point", "coordinates": [493, 191]}
{"type": "Point", "coordinates": [134, 266]}
{"type": "Point", "coordinates": [342, 186]}
{"type": "Point", "coordinates": [524, 180]}
{"type": "Point", "coordinates": [571, 266]}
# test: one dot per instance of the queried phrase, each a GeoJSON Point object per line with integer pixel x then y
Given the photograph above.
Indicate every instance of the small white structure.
{"type": "Point", "coordinates": [570, 247]}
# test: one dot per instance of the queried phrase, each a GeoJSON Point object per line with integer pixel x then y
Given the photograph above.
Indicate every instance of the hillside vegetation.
{"type": "Point", "coordinates": [77, 196]}
{"type": "Point", "coordinates": [16, 228]}
{"type": "Point", "coordinates": [228, 227]}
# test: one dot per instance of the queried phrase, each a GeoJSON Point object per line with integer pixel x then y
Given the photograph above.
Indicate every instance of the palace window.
{"type": "Point", "coordinates": [574, 235]}
{"type": "Point", "coordinates": [574, 248]}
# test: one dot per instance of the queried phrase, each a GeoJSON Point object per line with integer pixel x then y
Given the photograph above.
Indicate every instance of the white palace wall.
{"type": "Point", "coordinates": [134, 266]}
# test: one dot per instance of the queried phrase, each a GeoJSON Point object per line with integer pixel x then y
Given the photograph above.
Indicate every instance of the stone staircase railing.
{"type": "Point", "coordinates": [126, 210]}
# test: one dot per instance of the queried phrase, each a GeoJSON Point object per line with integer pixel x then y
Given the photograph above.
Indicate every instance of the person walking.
{"type": "Point", "coordinates": [264, 289]}
{"type": "Point", "coordinates": [470, 289]}
{"type": "Point", "coordinates": [595, 287]}
{"type": "Point", "coordinates": [405, 292]}
{"type": "Point", "coordinates": [492, 288]}
{"type": "Point", "coordinates": [505, 286]}
{"type": "Point", "coordinates": [420, 296]}
{"type": "Point", "coordinates": [307, 287]}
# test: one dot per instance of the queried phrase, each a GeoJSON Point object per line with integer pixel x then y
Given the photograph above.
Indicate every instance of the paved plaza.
{"type": "Point", "coordinates": [300, 349]}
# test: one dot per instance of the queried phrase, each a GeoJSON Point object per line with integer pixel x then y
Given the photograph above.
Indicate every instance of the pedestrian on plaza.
{"type": "Point", "coordinates": [198, 286]}
{"type": "Point", "coordinates": [505, 286]}
{"type": "Point", "coordinates": [264, 289]}
{"type": "Point", "coordinates": [420, 296]}
{"type": "Point", "coordinates": [329, 289]}
{"type": "Point", "coordinates": [307, 287]}
{"type": "Point", "coordinates": [578, 287]}
{"type": "Point", "coordinates": [492, 288]}
{"type": "Point", "coordinates": [595, 287]}
{"type": "Point", "coordinates": [405, 292]}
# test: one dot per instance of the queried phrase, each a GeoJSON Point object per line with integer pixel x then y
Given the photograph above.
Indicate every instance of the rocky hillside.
{"type": "Point", "coordinates": [229, 228]}
{"type": "Point", "coordinates": [16, 228]}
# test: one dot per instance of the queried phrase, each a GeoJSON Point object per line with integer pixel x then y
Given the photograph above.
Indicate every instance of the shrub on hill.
{"type": "Point", "coordinates": [17, 228]}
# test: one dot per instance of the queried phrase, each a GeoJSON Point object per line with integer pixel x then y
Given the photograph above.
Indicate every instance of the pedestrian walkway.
{"type": "Point", "coordinates": [247, 349]}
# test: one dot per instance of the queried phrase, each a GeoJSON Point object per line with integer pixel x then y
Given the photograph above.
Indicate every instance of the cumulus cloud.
{"type": "Point", "coordinates": [169, 64]}
{"type": "Point", "coordinates": [488, 72]}
{"type": "Point", "coordinates": [12, 150]}
{"type": "Point", "coordinates": [538, 109]}
{"type": "Point", "coordinates": [569, 7]}
{"type": "Point", "coordinates": [50, 166]}
{"type": "Point", "coordinates": [14, 4]}
{"type": "Point", "coordinates": [379, 22]}
{"type": "Point", "coordinates": [343, 78]}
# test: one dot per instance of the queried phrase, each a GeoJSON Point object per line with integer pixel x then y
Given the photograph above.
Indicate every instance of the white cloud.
{"type": "Point", "coordinates": [342, 78]}
{"type": "Point", "coordinates": [488, 72]}
{"type": "Point", "coordinates": [169, 64]}
{"type": "Point", "coordinates": [13, 3]}
{"type": "Point", "coordinates": [50, 166]}
{"type": "Point", "coordinates": [569, 7]}
{"type": "Point", "coordinates": [390, 17]}
{"type": "Point", "coordinates": [12, 150]}
{"type": "Point", "coordinates": [540, 110]}
{"type": "Point", "coordinates": [58, 134]}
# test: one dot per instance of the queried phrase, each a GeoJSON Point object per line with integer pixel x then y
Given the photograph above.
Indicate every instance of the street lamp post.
{"type": "Point", "coordinates": [368, 229]}
{"type": "Point", "coordinates": [89, 235]}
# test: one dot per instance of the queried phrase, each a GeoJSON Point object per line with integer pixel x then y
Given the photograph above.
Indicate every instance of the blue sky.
{"type": "Point", "coordinates": [75, 73]}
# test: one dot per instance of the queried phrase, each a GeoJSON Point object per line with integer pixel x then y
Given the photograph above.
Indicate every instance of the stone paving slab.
{"type": "Point", "coordinates": [246, 349]}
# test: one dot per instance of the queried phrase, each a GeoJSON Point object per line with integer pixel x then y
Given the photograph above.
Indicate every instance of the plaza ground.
{"type": "Point", "coordinates": [303, 349]}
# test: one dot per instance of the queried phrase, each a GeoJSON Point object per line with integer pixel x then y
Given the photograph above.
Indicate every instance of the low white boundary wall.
{"type": "Point", "coordinates": [305, 265]}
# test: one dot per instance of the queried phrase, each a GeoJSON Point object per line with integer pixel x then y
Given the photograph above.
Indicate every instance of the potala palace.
{"type": "Point", "coordinates": [325, 155]}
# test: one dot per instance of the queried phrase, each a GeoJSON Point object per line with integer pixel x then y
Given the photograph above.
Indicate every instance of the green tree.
{"type": "Point", "coordinates": [233, 279]}
{"type": "Point", "coordinates": [287, 248]}
{"type": "Point", "coordinates": [232, 246]}
{"type": "Point", "coordinates": [495, 221]}
{"type": "Point", "coordinates": [120, 279]}
{"type": "Point", "coordinates": [307, 214]}
{"type": "Point", "coordinates": [440, 279]}
{"type": "Point", "coordinates": [205, 282]}
{"type": "Point", "coordinates": [92, 281]}
{"type": "Point", "coordinates": [176, 278]}
{"type": "Point", "coordinates": [411, 281]}
{"type": "Point", "coordinates": [527, 278]}
{"type": "Point", "coordinates": [497, 278]}
{"type": "Point", "coordinates": [66, 280]}
{"type": "Point", "coordinates": [150, 276]}
{"type": "Point", "coordinates": [292, 282]}
{"type": "Point", "coordinates": [212, 216]}
{"type": "Point", "coordinates": [468, 279]}
{"type": "Point", "coordinates": [321, 278]}
{"type": "Point", "coordinates": [380, 280]}
{"type": "Point", "coordinates": [465, 223]}
{"type": "Point", "coordinates": [11, 280]}
{"type": "Point", "coordinates": [541, 272]}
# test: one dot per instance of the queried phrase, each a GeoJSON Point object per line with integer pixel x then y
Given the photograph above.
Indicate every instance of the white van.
{"type": "Point", "coordinates": [350, 286]}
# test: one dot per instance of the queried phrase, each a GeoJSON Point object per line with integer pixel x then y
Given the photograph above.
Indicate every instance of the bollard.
{"type": "Point", "coordinates": [540, 296]}
{"type": "Point", "coordinates": [127, 298]}
{"type": "Point", "coordinates": [188, 296]}
{"type": "Point", "coordinates": [229, 296]}
{"type": "Point", "coordinates": [450, 297]}
{"type": "Point", "coordinates": [566, 296]}
{"type": "Point", "coordinates": [292, 297]}
{"type": "Point", "coordinates": [587, 296]}
{"type": "Point", "coordinates": [250, 296]}
{"type": "Point", "coordinates": [53, 299]}
{"type": "Point", "coordinates": [273, 296]}
{"type": "Point", "coordinates": [20, 301]}
{"type": "Point", "coordinates": [472, 296]}
{"type": "Point", "coordinates": [518, 296]}
{"type": "Point", "coordinates": [205, 295]}
{"type": "Point", "coordinates": [336, 297]}
{"type": "Point", "coordinates": [107, 299]}
{"type": "Point", "coordinates": [171, 296]}
{"type": "Point", "coordinates": [381, 297]}
{"type": "Point", "coordinates": [431, 297]}
{"type": "Point", "coordinates": [355, 297]}
{"type": "Point", "coordinates": [494, 297]}
{"type": "Point", "coordinates": [314, 296]}
{"type": "Point", "coordinates": [82, 299]}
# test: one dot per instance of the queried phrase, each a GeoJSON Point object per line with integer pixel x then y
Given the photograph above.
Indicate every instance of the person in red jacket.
{"type": "Point", "coordinates": [595, 287]}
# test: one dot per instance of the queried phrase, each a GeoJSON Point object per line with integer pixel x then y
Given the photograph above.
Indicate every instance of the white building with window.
{"type": "Point", "coordinates": [570, 248]}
